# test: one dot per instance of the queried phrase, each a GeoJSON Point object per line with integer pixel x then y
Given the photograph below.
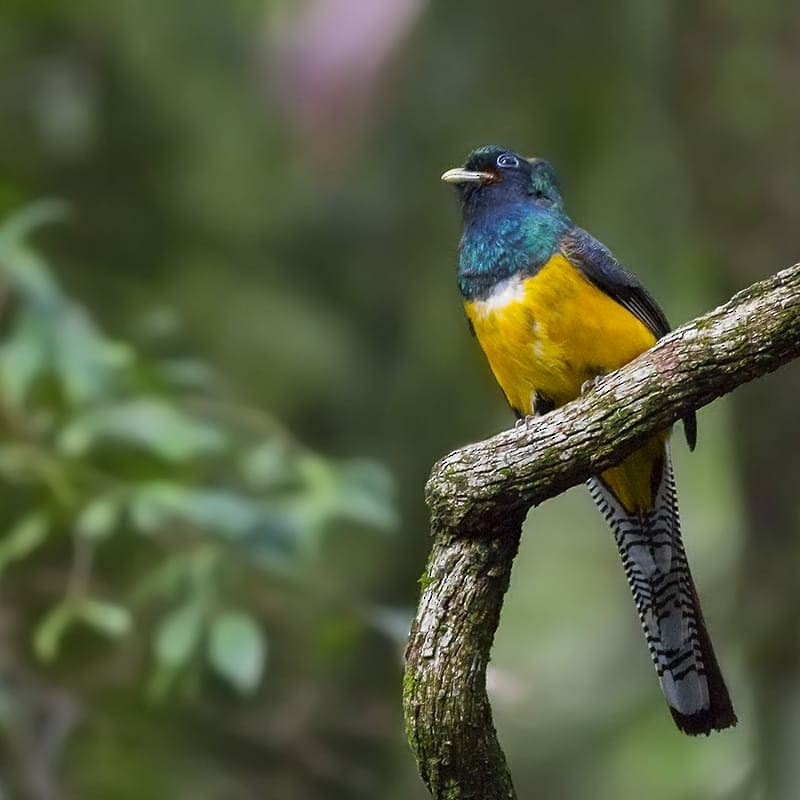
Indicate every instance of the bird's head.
{"type": "Point", "coordinates": [493, 176]}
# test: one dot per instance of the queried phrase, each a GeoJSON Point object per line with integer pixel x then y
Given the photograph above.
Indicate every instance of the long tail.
{"type": "Point", "coordinates": [655, 564]}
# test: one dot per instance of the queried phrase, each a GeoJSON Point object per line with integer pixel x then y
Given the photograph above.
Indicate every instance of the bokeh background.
{"type": "Point", "coordinates": [232, 347]}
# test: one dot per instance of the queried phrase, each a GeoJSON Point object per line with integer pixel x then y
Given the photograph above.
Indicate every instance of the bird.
{"type": "Point", "coordinates": [554, 311]}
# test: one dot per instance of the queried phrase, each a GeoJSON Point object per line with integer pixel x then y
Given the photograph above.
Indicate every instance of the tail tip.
{"type": "Point", "coordinates": [705, 721]}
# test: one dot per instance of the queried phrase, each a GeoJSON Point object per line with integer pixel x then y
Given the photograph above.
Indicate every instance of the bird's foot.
{"type": "Point", "coordinates": [523, 422]}
{"type": "Point", "coordinates": [590, 383]}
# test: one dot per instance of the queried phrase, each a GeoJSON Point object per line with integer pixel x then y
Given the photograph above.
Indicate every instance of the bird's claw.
{"type": "Point", "coordinates": [589, 384]}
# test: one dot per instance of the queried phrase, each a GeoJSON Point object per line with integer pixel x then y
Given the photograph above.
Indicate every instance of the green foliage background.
{"type": "Point", "coordinates": [232, 347]}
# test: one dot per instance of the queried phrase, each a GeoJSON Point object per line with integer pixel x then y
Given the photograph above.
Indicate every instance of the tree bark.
{"type": "Point", "coordinates": [479, 496]}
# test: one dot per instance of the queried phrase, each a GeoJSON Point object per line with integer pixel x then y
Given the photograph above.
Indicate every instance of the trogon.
{"type": "Point", "coordinates": [553, 310]}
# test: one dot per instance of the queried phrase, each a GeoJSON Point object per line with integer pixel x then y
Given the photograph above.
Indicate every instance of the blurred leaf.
{"type": "Point", "coordinates": [109, 619]}
{"type": "Point", "coordinates": [237, 650]}
{"type": "Point", "coordinates": [23, 269]}
{"type": "Point", "coordinates": [268, 465]}
{"type": "Point", "coordinates": [357, 491]}
{"type": "Point", "coordinates": [366, 494]}
{"type": "Point", "coordinates": [63, 342]}
{"type": "Point", "coordinates": [25, 355]}
{"type": "Point", "coordinates": [178, 635]}
{"type": "Point", "coordinates": [19, 225]}
{"type": "Point", "coordinates": [150, 423]}
{"type": "Point", "coordinates": [99, 517]}
{"type": "Point", "coordinates": [164, 580]}
{"type": "Point", "coordinates": [48, 634]}
{"type": "Point", "coordinates": [86, 362]}
{"type": "Point", "coordinates": [24, 537]}
{"type": "Point", "coordinates": [275, 543]}
{"type": "Point", "coordinates": [154, 505]}
{"type": "Point", "coordinates": [35, 465]}
{"type": "Point", "coordinates": [216, 512]}
{"type": "Point", "coordinates": [219, 510]}
{"type": "Point", "coordinates": [186, 571]}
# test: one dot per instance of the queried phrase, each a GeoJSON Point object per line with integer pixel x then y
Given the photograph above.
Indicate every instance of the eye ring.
{"type": "Point", "coordinates": [507, 160]}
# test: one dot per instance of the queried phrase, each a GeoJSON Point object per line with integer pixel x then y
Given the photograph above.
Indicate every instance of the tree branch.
{"type": "Point", "coordinates": [479, 496]}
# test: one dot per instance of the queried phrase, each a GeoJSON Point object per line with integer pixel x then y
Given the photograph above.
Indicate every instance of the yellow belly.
{"type": "Point", "coordinates": [550, 333]}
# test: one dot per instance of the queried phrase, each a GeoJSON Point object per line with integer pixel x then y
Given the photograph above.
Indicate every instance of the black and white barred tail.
{"type": "Point", "coordinates": [655, 564]}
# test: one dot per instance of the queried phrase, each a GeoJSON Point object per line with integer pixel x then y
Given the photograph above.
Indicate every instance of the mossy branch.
{"type": "Point", "coordinates": [479, 496]}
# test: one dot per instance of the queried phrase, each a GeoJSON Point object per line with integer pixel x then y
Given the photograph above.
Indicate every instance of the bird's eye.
{"type": "Point", "coordinates": [507, 160]}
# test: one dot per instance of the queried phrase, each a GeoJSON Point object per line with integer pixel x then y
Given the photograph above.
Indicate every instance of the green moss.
{"type": "Point", "coordinates": [411, 731]}
{"type": "Point", "coordinates": [408, 683]}
{"type": "Point", "coordinates": [452, 791]}
{"type": "Point", "coordinates": [424, 580]}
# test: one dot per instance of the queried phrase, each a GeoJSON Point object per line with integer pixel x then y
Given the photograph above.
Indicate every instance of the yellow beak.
{"type": "Point", "coordinates": [461, 175]}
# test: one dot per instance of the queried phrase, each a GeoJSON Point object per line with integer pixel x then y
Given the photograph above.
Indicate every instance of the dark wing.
{"type": "Point", "coordinates": [598, 265]}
